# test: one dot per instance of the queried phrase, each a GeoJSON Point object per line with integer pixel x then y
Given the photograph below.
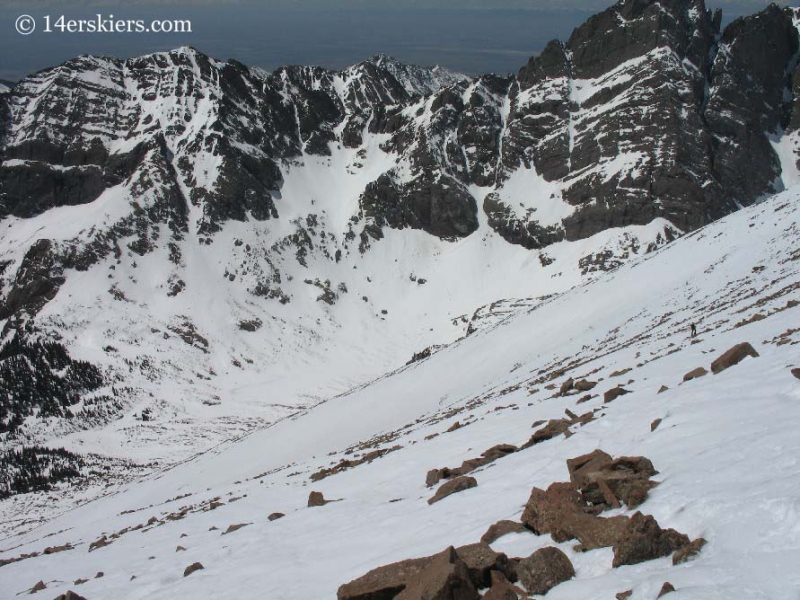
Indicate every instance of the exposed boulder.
{"type": "Point", "coordinates": [57, 549]}
{"type": "Point", "coordinates": [796, 372]}
{"type": "Point", "coordinates": [688, 552]}
{"type": "Point", "coordinates": [614, 393]}
{"type": "Point", "coordinates": [481, 560]}
{"type": "Point", "coordinates": [70, 595]}
{"type": "Point", "coordinates": [316, 499]}
{"type": "Point", "coordinates": [445, 577]}
{"type": "Point", "coordinates": [561, 512]}
{"type": "Point", "coordinates": [603, 480]}
{"type": "Point", "coordinates": [733, 357]}
{"type": "Point", "coordinates": [501, 588]}
{"type": "Point", "coordinates": [434, 476]}
{"type": "Point", "coordinates": [236, 527]}
{"type": "Point", "coordinates": [383, 583]}
{"type": "Point", "coordinates": [454, 486]}
{"type": "Point", "coordinates": [553, 428]}
{"type": "Point", "coordinates": [666, 589]}
{"type": "Point", "coordinates": [654, 425]}
{"type": "Point", "coordinates": [695, 374]}
{"type": "Point", "coordinates": [584, 385]}
{"type": "Point", "coordinates": [544, 569]}
{"type": "Point", "coordinates": [275, 516]}
{"type": "Point", "coordinates": [38, 587]}
{"type": "Point", "coordinates": [501, 528]}
{"type": "Point", "coordinates": [192, 568]}
{"type": "Point", "coordinates": [499, 451]}
{"type": "Point", "coordinates": [643, 539]}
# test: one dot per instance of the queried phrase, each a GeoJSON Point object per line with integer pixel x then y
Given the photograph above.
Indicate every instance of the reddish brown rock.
{"type": "Point", "coordinates": [434, 476]}
{"type": "Point", "coordinates": [624, 595]}
{"type": "Point", "coordinates": [236, 527]}
{"type": "Point", "coordinates": [544, 569]}
{"type": "Point", "coordinates": [566, 387]}
{"type": "Point", "coordinates": [663, 389]}
{"type": "Point", "coordinates": [386, 582]}
{"type": "Point", "coordinates": [275, 516]}
{"type": "Point", "coordinates": [695, 374]}
{"type": "Point", "coordinates": [57, 549]}
{"type": "Point", "coordinates": [499, 451]}
{"type": "Point", "coordinates": [584, 385]}
{"type": "Point", "coordinates": [38, 587]}
{"type": "Point", "coordinates": [561, 512]}
{"type": "Point", "coordinates": [192, 568]}
{"type": "Point", "coordinates": [603, 480]}
{"type": "Point", "coordinates": [614, 393]}
{"type": "Point", "coordinates": [796, 373]}
{"type": "Point", "coordinates": [101, 543]}
{"type": "Point", "coordinates": [316, 499]}
{"type": "Point", "coordinates": [688, 552]}
{"type": "Point", "coordinates": [733, 357]}
{"type": "Point", "coordinates": [501, 528]}
{"type": "Point", "coordinates": [582, 466]}
{"type": "Point", "coordinates": [70, 595]}
{"type": "Point", "coordinates": [383, 583]}
{"type": "Point", "coordinates": [481, 560]}
{"type": "Point", "coordinates": [666, 589]}
{"type": "Point", "coordinates": [454, 486]}
{"type": "Point", "coordinates": [654, 425]}
{"type": "Point", "coordinates": [643, 539]}
{"type": "Point", "coordinates": [553, 428]}
{"type": "Point", "coordinates": [501, 588]}
{"type": "Point", "coordinates": [445, 577]}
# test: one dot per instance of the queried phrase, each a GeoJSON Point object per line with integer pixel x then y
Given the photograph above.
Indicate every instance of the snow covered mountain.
{"type": "Point", "coordinates": [609, 364]}
{"type": "Point", "coordinates": [195, 250]}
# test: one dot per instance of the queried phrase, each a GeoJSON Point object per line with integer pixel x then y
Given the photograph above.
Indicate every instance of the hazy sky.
{"type": "Point", "coordinates": [472, 36]}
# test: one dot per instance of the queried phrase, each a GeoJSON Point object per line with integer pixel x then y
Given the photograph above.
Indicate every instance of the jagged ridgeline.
{"type": "Point", "coordinates": [260, 195]}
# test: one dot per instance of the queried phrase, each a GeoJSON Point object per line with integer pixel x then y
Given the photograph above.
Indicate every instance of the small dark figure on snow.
{"type": "Point", "coordinates": [694, 330]}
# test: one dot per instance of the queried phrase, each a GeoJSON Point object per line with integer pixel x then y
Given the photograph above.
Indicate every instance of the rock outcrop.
{"type": "Point", "coordinates": [733, 357]}
{"type": "Point", "coordinates": [544, 569]}
{"type": "Point", "coordinates": [454, 486]}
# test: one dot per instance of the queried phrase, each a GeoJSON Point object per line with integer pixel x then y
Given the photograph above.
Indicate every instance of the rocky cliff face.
{"type": "Point", "coordinates": [647, 110]}
{"type": "Point", "coordinates": [648, 117]}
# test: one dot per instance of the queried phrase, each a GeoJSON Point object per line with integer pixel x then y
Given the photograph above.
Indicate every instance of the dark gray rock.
{"type": "Point", "coordinates": [438, 205]}
{"type": "Point", "coordinates": [746, 101]}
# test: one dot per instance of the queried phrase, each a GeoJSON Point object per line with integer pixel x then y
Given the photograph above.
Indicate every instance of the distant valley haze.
{"type": "Point", "coordinates": [469, 36]}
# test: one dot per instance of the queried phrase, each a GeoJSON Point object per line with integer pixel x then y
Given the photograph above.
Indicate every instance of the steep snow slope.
{"type": "Point", "coordinates": [227, 246]}
{"type": "Point", "coordinates": [189, 340]}
{"type": "Point", "coordinates": [725, 450]}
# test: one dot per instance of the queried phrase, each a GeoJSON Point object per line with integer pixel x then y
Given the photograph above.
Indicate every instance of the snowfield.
{"type": "Point", "coordinates": [726, 449]}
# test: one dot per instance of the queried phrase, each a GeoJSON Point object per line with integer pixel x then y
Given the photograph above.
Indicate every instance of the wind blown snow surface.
{"type": "Point", "coordinates": [726, 450]}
